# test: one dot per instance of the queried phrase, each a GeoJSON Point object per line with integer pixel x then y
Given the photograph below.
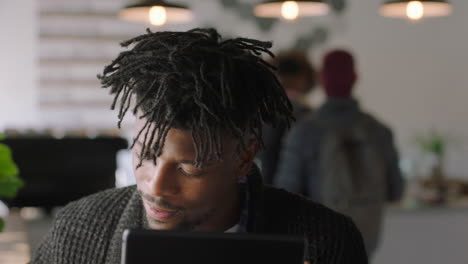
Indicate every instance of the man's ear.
{"type": "Point", "coordinates": [246, 158]}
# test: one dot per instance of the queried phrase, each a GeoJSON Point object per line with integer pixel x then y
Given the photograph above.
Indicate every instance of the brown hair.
{"type": "Point", "coordinates": [290, 63]}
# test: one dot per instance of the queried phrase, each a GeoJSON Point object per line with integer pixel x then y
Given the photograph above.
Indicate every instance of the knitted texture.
{"type": "Point", "coordinates": [90, 230]}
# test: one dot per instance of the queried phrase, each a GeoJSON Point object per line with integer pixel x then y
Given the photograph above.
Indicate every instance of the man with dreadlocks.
{"type": "Point", "coordinates": [200, 104]}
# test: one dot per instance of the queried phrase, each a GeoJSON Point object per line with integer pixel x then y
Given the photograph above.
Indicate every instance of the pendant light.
{"type": "Point", "coordinates": [156, 12]}
{"type": "Point", "coordinates": [291, 10]}
{"type": "Point", "coordinates": [415, 10]}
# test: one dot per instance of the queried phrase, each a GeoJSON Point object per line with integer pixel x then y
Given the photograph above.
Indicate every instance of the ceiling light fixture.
{"type": "Point", "coordinates": [416, 10]}
{"type": "Point", "coordinates": [156, 12]}
{"type": "Point", "coordinates": [291, 10]}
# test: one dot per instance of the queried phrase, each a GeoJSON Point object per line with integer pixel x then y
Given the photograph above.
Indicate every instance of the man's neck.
{"type": "Point", "coordinates": [225, 219]}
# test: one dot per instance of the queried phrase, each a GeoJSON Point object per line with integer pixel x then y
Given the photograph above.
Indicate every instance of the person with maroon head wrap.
{"type": "Point", "coordinates": [338, 75]}
{"type": "Point", "coordinates": [304, 168]}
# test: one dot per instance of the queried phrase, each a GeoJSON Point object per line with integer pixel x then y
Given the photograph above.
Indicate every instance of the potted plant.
{"type": "Point", "coordinates": [9, 180]}
{"type": "Point", "coordinates": [435, 145]}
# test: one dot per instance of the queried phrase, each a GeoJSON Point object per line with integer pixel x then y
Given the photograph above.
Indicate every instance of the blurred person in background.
{"type": "Point", "coordinates": [200, 104]}
{"type": "Point", "coordinates": [297, 76]}
{"type": "Point", "coordinates": [341, 156]}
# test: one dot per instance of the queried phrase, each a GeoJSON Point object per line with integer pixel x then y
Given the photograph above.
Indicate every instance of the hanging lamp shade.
{"type": "Point", "coordinates": [291, 10]}
{"type": "Point", "coordinates": [415, 10]}
{"type": "Point", "coordinates": [156, 12]}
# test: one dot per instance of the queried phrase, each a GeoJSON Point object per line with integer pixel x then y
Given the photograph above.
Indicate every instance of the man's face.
{"type": "Point", "coordinates": [179, 196]}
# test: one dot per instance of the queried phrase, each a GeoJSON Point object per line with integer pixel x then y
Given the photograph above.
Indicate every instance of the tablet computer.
{"type": "Point", "coordinates": [168, 247]}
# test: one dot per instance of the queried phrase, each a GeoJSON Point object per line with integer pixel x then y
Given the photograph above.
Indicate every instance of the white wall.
{"type": "Point", "coordinates": [18, 93]}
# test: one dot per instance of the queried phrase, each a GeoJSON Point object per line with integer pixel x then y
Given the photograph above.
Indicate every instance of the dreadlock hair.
{"type": "Point", "coordinates": [195, 81]}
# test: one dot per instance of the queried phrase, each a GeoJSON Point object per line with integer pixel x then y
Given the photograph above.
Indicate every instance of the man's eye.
{"type": "Point", "coordinates": [191, 174]}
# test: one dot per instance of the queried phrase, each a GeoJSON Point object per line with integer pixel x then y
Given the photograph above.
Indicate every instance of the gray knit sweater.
{"type": "Point", "coordinates": [90, 230]}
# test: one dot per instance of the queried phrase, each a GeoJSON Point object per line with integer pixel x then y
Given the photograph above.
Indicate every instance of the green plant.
{"type": "Point", "coordinates": [433, 143]}
{"type": "Point", "coordinates": [10, 183]}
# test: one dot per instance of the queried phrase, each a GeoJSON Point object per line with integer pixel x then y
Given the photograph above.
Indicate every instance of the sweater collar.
{"type": "Point", "coordinates": [335, 103]}
{"type": "Point", "coordinates": [339, 111]}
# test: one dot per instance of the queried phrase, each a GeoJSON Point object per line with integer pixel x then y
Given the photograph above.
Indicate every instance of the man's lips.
{"type": "Point", "coordinates": [159, 213]}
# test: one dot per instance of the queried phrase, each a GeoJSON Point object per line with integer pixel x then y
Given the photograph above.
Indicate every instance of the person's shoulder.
{"type": "Point", "coordinates": [308, 124]}
{"type": "Point", "coordinates": [300, 109]}
{"type": "Point", "coordinates": [82, 229]}
{"type": "Point", "coordinates": [370, 118]}
{"type": "Point", "coordinates": [98, 206]}
{"type": "Point", "coordinates": [379, 127]}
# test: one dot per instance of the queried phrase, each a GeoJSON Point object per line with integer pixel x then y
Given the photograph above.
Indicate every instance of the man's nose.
{"type": "Point", "coordinates": [163, 180]}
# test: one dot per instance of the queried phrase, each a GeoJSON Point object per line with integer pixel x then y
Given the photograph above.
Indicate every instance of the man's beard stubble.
{"type": "Point", "coordinates": [186, 225]}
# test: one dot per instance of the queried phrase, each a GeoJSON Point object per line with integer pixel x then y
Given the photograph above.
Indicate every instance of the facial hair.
{"type": "Point", "coordinates": [186, 225]}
